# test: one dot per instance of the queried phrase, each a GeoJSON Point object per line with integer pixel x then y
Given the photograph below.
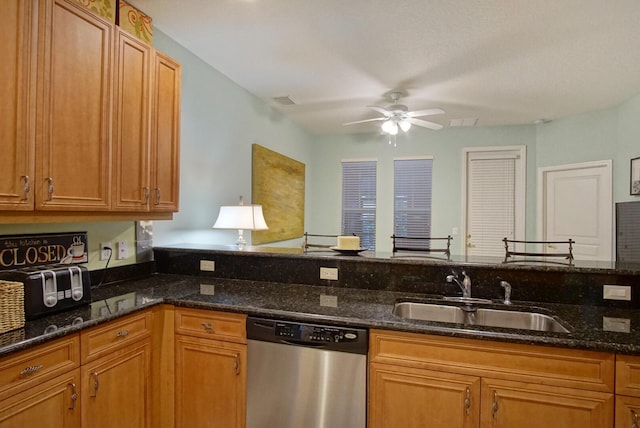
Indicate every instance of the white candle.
{"type": "Point", "coordinates": [349, 242]}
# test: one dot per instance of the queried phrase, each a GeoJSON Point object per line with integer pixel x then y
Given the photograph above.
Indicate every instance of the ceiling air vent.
{"type": "Point", "coordinates": [469, 121]}
{"type": "Point", "coordinates": [284, 101]}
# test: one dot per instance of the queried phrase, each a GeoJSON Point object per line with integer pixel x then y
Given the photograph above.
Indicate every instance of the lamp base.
{"type": "Point", "coordinates": [240, 242]}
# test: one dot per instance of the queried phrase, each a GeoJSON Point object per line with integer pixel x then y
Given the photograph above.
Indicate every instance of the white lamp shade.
{"type": "Point", "coordinates": [247, 217]}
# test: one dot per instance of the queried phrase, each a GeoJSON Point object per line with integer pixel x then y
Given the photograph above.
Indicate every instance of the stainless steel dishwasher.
{"type": "Point", "coordinates": [302, 375]}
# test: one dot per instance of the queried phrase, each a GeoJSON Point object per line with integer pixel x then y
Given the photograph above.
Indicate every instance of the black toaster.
{"type": "Point", "coordinates": [52, 288]}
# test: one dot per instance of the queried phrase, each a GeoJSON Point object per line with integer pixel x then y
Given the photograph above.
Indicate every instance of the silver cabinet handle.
{"type": "Point", "coordinates": [467, 402]}
{"type": "Point", "coordinates": [50, 189]}
{"type": "Point", "coordinates": [27, 371]}
{"type": "Point", "coordinates": [122, 333]}
{"type": "Point", "coordinates": [634, 419]}
{"type": "Point", "coordinates": [27, 186]}
{"type": "Point", "coordinates": [208, 326]}
{"type": "Point", "coordinates": [236, 363]}
{"type": "Point", "coordinates": [157, 196]}
{"type": "Point", "coordinates": [96, 384]}
{"type": "Point", "coordinates": [145, 191]}
{"type": "Point", "coordinates": [74, 396]}
{"type": "Point", "coordinates": [495, 405]}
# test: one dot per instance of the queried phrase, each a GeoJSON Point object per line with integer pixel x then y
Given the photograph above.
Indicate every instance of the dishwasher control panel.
{"type": "Point", "coordinates": [312, 333]}
{"type": "Point", "coordinates": [318, 336]}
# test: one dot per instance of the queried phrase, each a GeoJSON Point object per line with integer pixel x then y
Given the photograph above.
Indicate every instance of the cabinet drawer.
{"type": "Point", "coordinates": [525, 363]}
{"type": "Point", "coordinates": [628, 375]}
{"type": "Point", "coordinates": [34, 366]}
{"type": "Point", "coordinates": [210, 324]}
{"type": "Point", "coordinates": [110, 337]}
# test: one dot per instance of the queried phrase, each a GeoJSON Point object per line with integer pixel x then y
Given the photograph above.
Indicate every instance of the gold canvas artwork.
{"type": "Point", "coordinates": [278, 184]}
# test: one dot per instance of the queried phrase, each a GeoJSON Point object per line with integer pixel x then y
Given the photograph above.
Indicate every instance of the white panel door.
{"type": "Point", "coordinates": [575, 202]}
{"type": "Point", "coordinates": [494, 198]}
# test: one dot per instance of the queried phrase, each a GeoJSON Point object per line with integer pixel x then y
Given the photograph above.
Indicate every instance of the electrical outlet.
{"type": "Point", "coordinates": [104, 254]}
{"type": "Point", "coordinates": [329, 273]}
{"type": "Point", "coordinates": [616, 292]}
{"type": "Point", "coordinates": [123, 250]}
{"type": "Point", "coordinates": [620, 325]}
{"type": "Point", "coordinates": [207, 265]}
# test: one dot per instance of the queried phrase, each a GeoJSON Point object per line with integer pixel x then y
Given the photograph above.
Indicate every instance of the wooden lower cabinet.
{"type": "Point", "coordinates": [52, 404]}
{"type": "Point", "coordinates": [515, 404]}
{"type": "Point", "coordinates": [210, 384]}
{"type": "Point", "coordinates": [420, 380]}
{"type": "Point", "coordinates": [116, 389]}
{"type": "Point", "coordinates": [414, 398]}
{"type": "Point", "coordinates": [627, 412]}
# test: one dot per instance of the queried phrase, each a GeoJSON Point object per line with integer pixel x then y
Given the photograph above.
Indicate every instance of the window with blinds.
{"type": "Point", "coordinates": [359, 201]}
{"type": "Point", "coordinates": [412, 198]}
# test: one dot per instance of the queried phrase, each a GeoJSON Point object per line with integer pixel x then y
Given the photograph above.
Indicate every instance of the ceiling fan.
{"type": "Point", "coordinates": [397, 116]}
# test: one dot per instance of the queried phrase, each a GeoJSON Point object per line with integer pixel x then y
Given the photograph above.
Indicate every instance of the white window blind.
{"type": "Point", "coordinates": [412, 197]}
{"type": "Point", "coordinates": [359, 201]}
{"type": "Point", "coordinates": [491, 202]}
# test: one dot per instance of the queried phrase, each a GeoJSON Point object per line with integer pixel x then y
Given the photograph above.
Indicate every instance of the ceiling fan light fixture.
{"type": "Point", "coordinates": [405, 125]}
{"type": "Point", "coordinates": [390, 127]}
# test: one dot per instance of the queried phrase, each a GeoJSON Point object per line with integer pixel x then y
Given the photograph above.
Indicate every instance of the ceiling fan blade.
{"type": "Point", "coordinates": [425, 124]}
{"type": "Point", "coordinates": [427, 112]}
{"type": "Point", "coordinates": [387, 113]}
{"type": "Point", "coordinates": [366, 120]}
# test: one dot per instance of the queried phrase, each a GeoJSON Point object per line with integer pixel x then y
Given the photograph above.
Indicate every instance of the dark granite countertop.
{"type": "Point", "coordinates": [312, 303]}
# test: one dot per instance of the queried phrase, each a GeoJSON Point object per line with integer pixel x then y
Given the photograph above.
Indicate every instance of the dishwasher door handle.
{"type": "Point", "coordinates": [303, 343]}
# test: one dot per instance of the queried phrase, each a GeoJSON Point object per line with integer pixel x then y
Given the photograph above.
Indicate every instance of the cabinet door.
{"type": "Point", "coordinates": [131, 185]}
{"type": "Point", "coordinates": [55, 401]}
{"type": "Point", "coordinates": [411, 398]}
{"type": "Point", "coordinates": [16, 136]}
{"type": "Point", "coordinates": [74, 108]}
{"type": "Point", "coordinates": [523, 405]}
{"type": "Point", "coordinates": [116, 389]}
{"type": "Point", "coordinates": [627, 412]}
{"type": "Point", "coordinates": [210, 383]}
{"type": "Point", "coordinates": [165, 134]}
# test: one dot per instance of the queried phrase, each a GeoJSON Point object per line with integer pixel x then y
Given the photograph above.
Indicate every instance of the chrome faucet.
{"type": "Point", "coordinates": [465, 285]}
{"type": "Point", "coordinates": [507, 292]}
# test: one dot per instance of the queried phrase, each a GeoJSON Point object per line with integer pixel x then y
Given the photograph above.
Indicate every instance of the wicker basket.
{"type": "Point", "coordinates": [11, 305]}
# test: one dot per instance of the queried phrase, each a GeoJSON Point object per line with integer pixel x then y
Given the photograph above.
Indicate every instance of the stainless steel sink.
{"type": "Point", "coordinates": [471, 315]}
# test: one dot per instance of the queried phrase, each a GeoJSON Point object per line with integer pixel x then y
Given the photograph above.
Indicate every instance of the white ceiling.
{"type": "Point", "coordinates": [502, 61]}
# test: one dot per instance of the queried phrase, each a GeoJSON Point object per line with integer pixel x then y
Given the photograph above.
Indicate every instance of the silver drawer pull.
{"type": "Point", "coordinates": [122, 333]}
{"type": "Point", "coordinates": [208, 326]}
{"type": "Point", "coordinates": [27, 187]}
{"type": "Point", "coordinates": [30, 370]}
{"type": "Point", "coordinates": [74, 396]}
{"type": "Point", "coordinates": [96, 384]}
{"type": "Point", "coordinates": [50, 187]}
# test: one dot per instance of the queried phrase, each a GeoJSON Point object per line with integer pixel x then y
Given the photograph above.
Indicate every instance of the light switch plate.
{"type": "Point", "coordinates": [123, 250]}
{"type": "Point", "coordinates": [208, 265]}
{"type": "Point", "coordinates": [616, 292]}
{"type": "Point", "coordinates": [329, 273]}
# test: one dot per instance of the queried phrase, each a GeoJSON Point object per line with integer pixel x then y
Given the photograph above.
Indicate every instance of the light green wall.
{"type": "Point", "coordinates": [96, 233]}
{"type": "Point", "coordinates": [220, 121]}
{"type": "Point", "coordinates": [444, 146]}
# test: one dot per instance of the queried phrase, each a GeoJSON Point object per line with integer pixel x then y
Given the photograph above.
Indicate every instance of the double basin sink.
{"type": "Point", "coordinates": [468, 311]}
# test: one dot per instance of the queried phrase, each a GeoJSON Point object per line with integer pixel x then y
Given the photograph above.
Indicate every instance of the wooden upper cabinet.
{"type": "Point", "coordinates": [17, 61]}
{"type": "Point", "coordinates": [165, 134]}
{"type": "Point", "coordinates": [74, 108]}
{"type": "Point", "coordinates": [131, 131]}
